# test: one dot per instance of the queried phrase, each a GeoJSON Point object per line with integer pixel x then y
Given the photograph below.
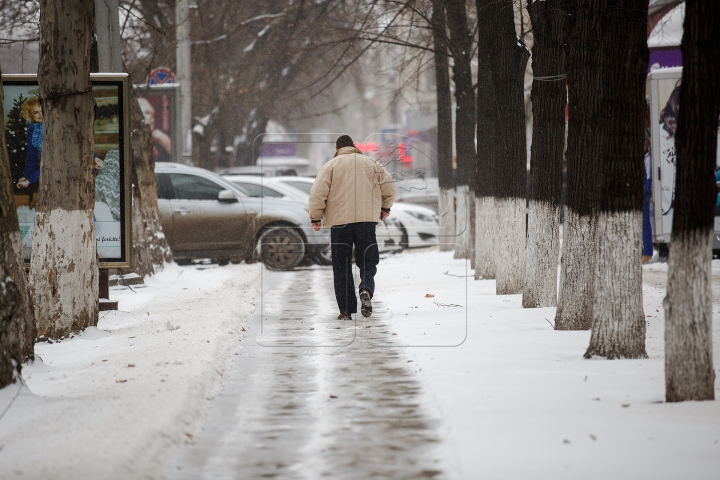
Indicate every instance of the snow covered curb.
{"type": "Point", "coordinates": [112, 402]}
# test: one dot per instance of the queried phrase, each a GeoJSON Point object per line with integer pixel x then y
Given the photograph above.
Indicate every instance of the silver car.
{"type": "Point", "coordinates": [204, 215]}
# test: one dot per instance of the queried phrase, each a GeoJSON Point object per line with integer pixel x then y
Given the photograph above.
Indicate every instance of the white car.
{"type": "Point", "coordinates": [418, 224]}
{"type": "Point", "coordinates": [387, 234]}
{"type": "Point", "coordinates": [263, 187]}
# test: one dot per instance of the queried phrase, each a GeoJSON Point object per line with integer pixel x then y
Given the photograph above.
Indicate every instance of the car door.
{"type": "Point", "coordinates": [201, 222]}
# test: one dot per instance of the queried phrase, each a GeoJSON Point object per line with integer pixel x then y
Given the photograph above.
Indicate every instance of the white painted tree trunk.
{"type": "Point", "coordinates": [618, 320]}
{"type": "Point", "coordinates": [577, 267]}
{"type": "Point", "coordinates": [463, 231]}
{"type": "Point", "coordinates": [484, 237]}
{"type": "Point", "coordinates": [510, 246]}
{"type": "Point", "coordinates": [446, 214]}
{"type": "Point", "coordinates": [689, 373]}
{"type": "Point", "coordinates": [63, 266]}
{"type": "Point", "coordinates": [64, 272]}
{"type": "Point", "coordinates": [542, 255]}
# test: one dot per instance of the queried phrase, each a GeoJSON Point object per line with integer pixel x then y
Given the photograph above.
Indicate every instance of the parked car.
{"type": "Point", "coordinates": [272, 167]}
{"type": "Point", "coordinates": [387, 234]}
{"type": "Point", "coordinates": [257, 186]}
{"type": "Point", "coordinates": [204, 215]}
{"type": "Point", "coordinates": [418, 224]}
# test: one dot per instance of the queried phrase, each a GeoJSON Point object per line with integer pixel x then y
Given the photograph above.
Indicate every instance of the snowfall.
{"type": "Point", "coordinates": [512, 398]}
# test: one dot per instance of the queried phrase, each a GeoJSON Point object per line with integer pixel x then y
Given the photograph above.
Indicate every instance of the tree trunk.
{"type": "Point", "coordinates": [618, 322]}
{"type": "Point", "coordinates": [64, 266]}
{"type": "Point", "coordinates": [249, 149]}
{"type": "Point", "coordinates": [150, 247]}
{"type": "Point", "coordinates": [12, 253]}
{"type": "Point", "coordinates": [16, 319]}
{"type": "Point", "coordinates": [507, 68]}
{"type": "Point", "coordinates": [11, 322]}
{"type": "Point", "coordinates": [549, 97]}
{"type": "Point", "coordinates": [689, 373]}
{"type": "Point", "coordinates": [446, 209]}
{"type": "Point", "coordinates": [461, 49]}
{"type": "Point", "coordinates": [486, 133]}
{"type": "Point", "coordinates": [583, 50]}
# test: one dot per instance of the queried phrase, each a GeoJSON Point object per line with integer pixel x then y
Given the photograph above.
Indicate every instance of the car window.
{"type": "Point", "coordinates": [269, 192]}
{"type": "Point", "coordinates": [254, 190]}
{"type": "Point", "coordinates": [303, 186]}
{"type": "Point", "coordinates": [164, 187]}
{"type": "Point", "coordinates": [193, 187]}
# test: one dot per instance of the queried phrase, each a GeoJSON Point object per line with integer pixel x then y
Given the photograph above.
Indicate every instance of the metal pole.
{"type": "Point", "coordinates": [107, 29]}
{"type": "Point", "coordinates": [182, 32]}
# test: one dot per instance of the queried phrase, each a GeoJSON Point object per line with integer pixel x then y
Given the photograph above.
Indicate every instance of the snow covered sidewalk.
{"type": "Point", "coordinates": [517, 398]}
{"type": "Point", "coordinates": [442, 358]}
{"type": "Point", "coordinates": [111, 402]}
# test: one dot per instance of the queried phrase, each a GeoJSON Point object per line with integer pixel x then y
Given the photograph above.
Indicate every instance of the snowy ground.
{"type": "Point", "coordinates": [505, 394]}
{"type": "Point", "coordinates": [110, 403]}
{"type": "Point", "coordinates": [519, 401]}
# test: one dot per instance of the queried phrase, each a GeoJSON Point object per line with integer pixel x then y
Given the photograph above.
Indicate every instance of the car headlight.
{"type": "Point", "coordinates": [420, 216]}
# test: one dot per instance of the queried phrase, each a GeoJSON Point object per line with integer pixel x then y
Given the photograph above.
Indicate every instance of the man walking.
{"type": "Point", "coordinates": [351, 193]}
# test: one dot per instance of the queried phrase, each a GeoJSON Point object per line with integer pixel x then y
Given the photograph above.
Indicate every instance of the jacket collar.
{"type": "Point", "coordinates": [346, 150]}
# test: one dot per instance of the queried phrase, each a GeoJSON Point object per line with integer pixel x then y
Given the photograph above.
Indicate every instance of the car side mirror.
{"type": "Point", "coordinates": [226, 196]}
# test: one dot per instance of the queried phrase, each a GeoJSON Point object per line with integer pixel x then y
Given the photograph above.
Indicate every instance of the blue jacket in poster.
{"type": "Point", "coordinates": [33, 144]}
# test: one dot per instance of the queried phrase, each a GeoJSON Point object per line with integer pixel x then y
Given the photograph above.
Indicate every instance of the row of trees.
{"type": "Point", "coordinates": [592, 56]}
{"type": "Point", "coordinates": [595, 52]}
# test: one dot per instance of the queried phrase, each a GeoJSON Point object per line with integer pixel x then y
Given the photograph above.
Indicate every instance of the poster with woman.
{"type": "Point", "coordinates": [23, 117]}
{"type": "Point", "coordinates": [160, 105]}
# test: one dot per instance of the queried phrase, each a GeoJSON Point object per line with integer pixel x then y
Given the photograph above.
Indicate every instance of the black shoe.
{"type": "Point", "coordinates": [366, 308]}
{"type": "Point", "coordinates": [344, 316]}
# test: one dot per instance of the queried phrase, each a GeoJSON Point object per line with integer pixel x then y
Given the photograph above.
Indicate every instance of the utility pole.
{"type": "Point", "coordinates": [107, 30]}
{"type": "Point", "coordinates": [182, 53]}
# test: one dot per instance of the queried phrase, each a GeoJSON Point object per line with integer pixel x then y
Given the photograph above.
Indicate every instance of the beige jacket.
{"type": "Point", "coordinates": [351, 188]}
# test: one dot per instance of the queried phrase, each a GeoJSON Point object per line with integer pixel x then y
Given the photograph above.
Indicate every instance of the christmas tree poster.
{"type": "Point", "coordinates": [24, 131]}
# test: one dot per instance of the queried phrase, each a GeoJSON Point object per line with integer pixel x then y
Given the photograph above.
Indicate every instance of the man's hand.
{"type": "Point", "coordinates": [384, 215]}
{"type": "Point", "coordinates": [23, 183]}
{"type": "Point", "coordinates": [316, 226]}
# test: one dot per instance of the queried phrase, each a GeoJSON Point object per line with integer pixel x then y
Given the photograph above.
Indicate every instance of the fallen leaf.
{"type": "Point", "coordinates": [120, 381]}
{"type": "Point", "coordinates": [189, 435]}
{"type": "Point", "coordinates": [585, 380]}
{"type": "Point", "coordinates": [131, 365]}
{"type": "Point", "coordinates": [132, 336]}
{"type": "Point", "coordinates": [394, 333]}
{"type": "Point", "coordinates": [625, 405]}
{"type": "Point", "coordinates": [429, 295]}
{"type": "Point", "coordinates": [333, 396]}
{"type": "Point", "coordinates": [313, 328]}
{"type": "Point", "coordinates": [105, 360]}
{"type": "Point", "coordinates": [596, 399]}
{"type": "Point", "coordinates": [593, 436]}
{"type": "Point", "coordinates": [243, 329]}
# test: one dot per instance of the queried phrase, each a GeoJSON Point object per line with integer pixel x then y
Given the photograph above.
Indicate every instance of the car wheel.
{"type": "Point", "coordinates": [324, 256]}
{"type": "Point", "coordinates": [404, 239]}
{"type": "Point", "coordinates": [281, 248]}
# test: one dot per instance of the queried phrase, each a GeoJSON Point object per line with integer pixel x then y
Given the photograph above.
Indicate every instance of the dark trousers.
{"type": "Point", "coordinates": [343, 237]}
